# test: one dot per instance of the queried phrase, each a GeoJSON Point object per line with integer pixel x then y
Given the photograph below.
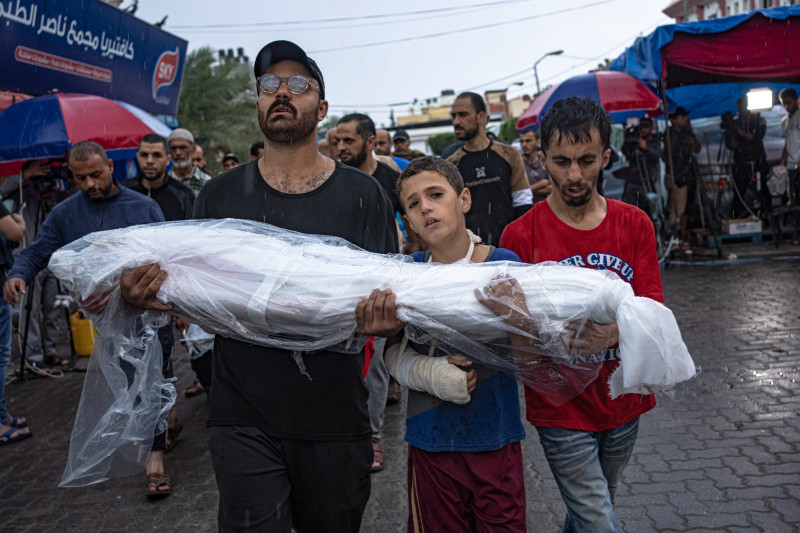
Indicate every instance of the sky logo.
{"type": "Point", "coordinates": [165, 72]}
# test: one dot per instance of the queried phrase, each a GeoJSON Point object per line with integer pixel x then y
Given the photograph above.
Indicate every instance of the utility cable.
{"type": "Point", "coordinates": [447, 10]}
{"type": "Point", "coordinates": [462, 30]}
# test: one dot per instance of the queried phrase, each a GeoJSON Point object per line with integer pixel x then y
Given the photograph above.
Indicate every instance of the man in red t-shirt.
{"type": "Point", "coordinates": [589, 439]}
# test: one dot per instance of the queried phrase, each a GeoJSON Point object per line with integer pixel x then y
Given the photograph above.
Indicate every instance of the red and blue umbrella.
{"type": "Point", "coordinates": [47, 126]}
{"type": "Point", "coordinates": [622, 95]}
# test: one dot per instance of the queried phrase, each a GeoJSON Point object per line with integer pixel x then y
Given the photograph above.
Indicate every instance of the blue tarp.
{"type": "Point", "coordinates": [643, 59]}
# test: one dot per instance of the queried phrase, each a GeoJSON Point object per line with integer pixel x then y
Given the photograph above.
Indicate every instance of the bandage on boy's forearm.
{"type": "Point", "coordinates": [433, 375]}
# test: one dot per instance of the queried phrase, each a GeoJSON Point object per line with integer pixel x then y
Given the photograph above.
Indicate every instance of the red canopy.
{"type": "Point", "coordinates": [758, 49]}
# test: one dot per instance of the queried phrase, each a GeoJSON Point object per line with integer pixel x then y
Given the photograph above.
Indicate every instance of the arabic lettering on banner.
{"type": "Point", "coordinates": [34, 57]}
{"type": "Point", "coordinates": [109, 46]}
{"type": "Point", "coordinates": [88, 46]}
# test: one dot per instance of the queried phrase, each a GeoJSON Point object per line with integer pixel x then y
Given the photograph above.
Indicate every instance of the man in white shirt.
{"type": "Point", "coordinates": [790, 129]}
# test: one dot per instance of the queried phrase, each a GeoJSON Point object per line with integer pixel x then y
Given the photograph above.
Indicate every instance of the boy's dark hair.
{"type": "Point", "coordinates": [432, 164]}
{"type": "Point", "coordinates": [83, 150]}
{"type": "Point", "coordinates": [535, 133]}
{"type": "Point", "coordinates": [788, 91]}
{"type": "Point", "coordinates": [255, 147]}
{"type": "Point", "coordinates": [153, 138]}
{"type": "Point", "coordinates": [478, 104]}
{"type": "Point", "coordinates": [573, 119]}
{"type": "Point", "coordinates": [365, 127]}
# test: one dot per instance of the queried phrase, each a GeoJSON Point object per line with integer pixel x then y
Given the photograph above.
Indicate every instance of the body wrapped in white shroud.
{"type": "Point", "coordinates": [274, 287]}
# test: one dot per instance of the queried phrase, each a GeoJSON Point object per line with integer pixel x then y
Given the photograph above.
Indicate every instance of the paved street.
{"type": "Point", "coordinates": [722, 453]}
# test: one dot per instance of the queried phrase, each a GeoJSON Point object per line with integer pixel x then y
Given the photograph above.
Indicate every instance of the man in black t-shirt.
{"type": "Point", "coordinates": [288, 451]}
{"type": "Point", "coordinates": [175, 199]}
{"type": "Point", "coordinates": [493, 172]}
{"type": "Point", "coordinates": [355, 141]}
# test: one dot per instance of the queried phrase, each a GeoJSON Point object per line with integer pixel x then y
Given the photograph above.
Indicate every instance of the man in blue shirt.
{"type": "Point", "coordinates": [101, 205]}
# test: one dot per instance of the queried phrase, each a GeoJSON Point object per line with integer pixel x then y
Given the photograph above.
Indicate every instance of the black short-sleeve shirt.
{"type": "Point", "coordinates": [264, 387]}
{"type": "Point", "coordinates": [387, 177]}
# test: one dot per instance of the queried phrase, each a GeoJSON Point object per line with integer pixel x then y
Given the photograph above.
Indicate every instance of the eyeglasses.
{"type": "Point", "coordinates": [269, 83]}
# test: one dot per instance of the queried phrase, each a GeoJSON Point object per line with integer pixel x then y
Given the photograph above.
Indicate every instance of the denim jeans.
{"type": "Point", "coordinates": [5, 355]}
{"type": "Point", "coordinates": [587, 467]}
{"type": "Point", "coordinates": [377, 381]}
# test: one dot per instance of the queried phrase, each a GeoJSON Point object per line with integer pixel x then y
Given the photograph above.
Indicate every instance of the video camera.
{"type": "Point", "coordinates": [632, 135]}
{"type": "Point", "coordinates": [726, 122]}
{"type": "Point", "coordinates": [55, 174]}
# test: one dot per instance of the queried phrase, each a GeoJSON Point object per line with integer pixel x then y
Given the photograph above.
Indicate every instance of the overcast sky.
{"type": "Point", "coordinates": [450, 44]}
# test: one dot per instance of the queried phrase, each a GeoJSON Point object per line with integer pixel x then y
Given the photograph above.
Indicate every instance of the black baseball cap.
{"type": "Point", "coordinates": [277, 51]}
{"type": "Point", "coordinates": [230, 156]}
{"type": "Point", "coordinates": [679, 111]}
{"type": "Point", "coordinates": [400, 135]}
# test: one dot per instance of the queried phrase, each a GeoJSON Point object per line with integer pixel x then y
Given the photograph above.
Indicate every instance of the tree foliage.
{"type": "Point", "coordinates": [328, 124]}
{"type": "Point", "coordinates": [508, 130]}
{"type": "Point", "coordinates": [218, 106]}
{"type": "Point", "coordinates": [439, 142]}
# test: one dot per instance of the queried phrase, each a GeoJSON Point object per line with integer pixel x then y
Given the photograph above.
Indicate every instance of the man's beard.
{"type": "Point", "coordinates": [186, 163]}
{"type": "Point", "coordinates": [579, 200]}
{"type": "Point", "coordinates": [300, 128]}
{"type": "Point", "coordinates": [106, 192]}
{"type": "Point", "coordinates": [466, 135]}
{"type": "Point", "coordinates": [358, 159]}
{"type": "Point", "coordinates": [154, 178]}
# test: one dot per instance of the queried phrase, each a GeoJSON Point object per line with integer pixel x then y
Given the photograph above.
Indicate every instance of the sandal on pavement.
{"type": "Point", "coordinates": [58, 362]}
{"type": "Point", "coordinates": [6, 438]}
{"type": "Point", "coordinates": [16, 422]}
{"type": "Point", "coordinates": [377, 458]}
{"type": "Point", "coordinates": [172, 435]}
{"type": "Point", "coordinates": [158, 486]}
{"type": "Point", "coordinates": [194, 389]}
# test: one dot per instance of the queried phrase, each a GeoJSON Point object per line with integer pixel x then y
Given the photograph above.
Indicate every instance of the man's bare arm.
{"type": "Point", "coordinates": [140, 286]}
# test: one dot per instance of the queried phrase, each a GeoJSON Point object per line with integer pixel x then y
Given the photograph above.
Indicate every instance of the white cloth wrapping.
{"type": "Point", "coordinates": [274, 287]}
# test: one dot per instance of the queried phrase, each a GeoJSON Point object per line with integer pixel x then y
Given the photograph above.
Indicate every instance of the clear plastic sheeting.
{"type": "Point", "coordinates": [274, 287]}
{"type": "Point", "coordinates": [125, 399]}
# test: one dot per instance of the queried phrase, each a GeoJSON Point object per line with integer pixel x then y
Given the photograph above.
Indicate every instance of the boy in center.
{"type": "Point", "coordinates": [463, 423]}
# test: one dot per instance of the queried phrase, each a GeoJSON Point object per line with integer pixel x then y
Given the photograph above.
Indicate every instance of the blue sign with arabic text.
{"type": "Point", "coordinates": [86, 46]}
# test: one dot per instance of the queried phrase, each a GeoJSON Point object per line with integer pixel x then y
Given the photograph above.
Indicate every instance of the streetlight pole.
{"type": "Point", "coordinates": [505, 97]}
{"type": "Point", "coordinates": [536, 74]}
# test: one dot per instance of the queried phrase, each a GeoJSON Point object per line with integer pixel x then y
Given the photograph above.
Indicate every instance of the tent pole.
{"type": "Point", "coordinates": [663, 86]}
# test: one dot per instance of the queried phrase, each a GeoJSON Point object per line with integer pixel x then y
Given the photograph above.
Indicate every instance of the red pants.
{"type": "Point", "coordinates": [466, 491]}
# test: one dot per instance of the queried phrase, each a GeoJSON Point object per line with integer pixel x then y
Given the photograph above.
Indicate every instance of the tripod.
{"type": "Point", "coordinates": [665, 235]}
{"type": "Point", "coordinates": [706, 211]}
{"type": "Point", "coordinates": [43, 208]}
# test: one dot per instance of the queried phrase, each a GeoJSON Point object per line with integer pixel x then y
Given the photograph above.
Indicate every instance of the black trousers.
{"type": "Point", "coordinates": [271, 485]}
{"type": "Point", "coordinates": [743, 175]}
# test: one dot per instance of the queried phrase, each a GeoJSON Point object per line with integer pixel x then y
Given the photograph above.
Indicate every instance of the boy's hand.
{"type": "Point", "coordinates": [506, 299]}
{"type": "Point", "coordinates": [591, 338]}
{"type": "Point", "coordinates": [377, 315]}
{"type": "Point", "coordinates": [463, 362]}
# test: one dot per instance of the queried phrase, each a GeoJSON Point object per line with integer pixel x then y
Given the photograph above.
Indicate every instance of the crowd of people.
{"type": "Point", "coordinates": [289, 452]}
{"type": "Point", "coordinates": [750, 172]}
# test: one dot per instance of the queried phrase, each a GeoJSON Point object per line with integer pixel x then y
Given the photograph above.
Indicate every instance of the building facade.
{"type": "Point", "coordinates": [694, 10]}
